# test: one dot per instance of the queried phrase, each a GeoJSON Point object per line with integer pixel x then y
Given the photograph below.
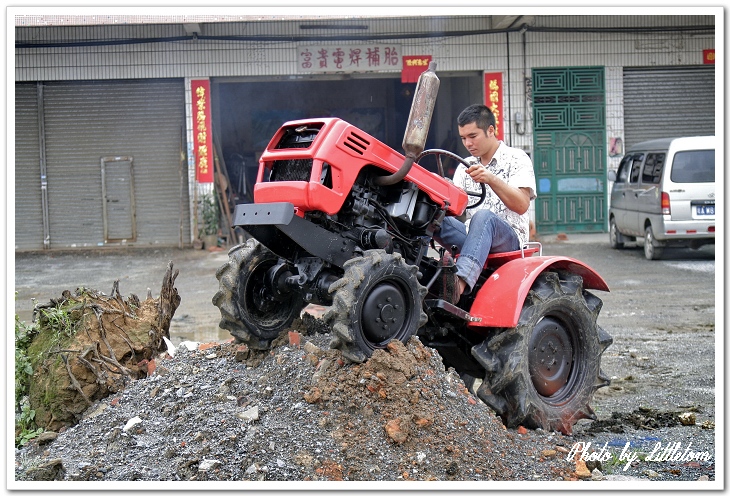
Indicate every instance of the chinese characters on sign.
{"type": "Point", "coordinates": [348, 58]}
{"type": "Point", "coordinates": [202, 134]}
{"type": "Point", "coordinates": [708, 56]}
{"type": "Point", "coordinates": [413, 66]}
{"type": "Point", "coordinates": [493, 99]}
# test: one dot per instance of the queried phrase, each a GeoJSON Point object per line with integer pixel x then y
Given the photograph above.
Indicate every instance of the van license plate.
{"type": "Point", "coordinates": [705, 209]}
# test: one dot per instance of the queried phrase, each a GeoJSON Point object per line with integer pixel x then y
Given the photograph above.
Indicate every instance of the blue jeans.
{"type": "Point", "coordinates": [487, 234]}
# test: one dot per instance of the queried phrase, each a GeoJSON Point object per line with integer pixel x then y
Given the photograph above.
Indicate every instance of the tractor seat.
{"type": "Point", "coordinates": [527, 250]}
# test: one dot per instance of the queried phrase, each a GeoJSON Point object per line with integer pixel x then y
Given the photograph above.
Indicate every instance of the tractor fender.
{"type": "Point", "coordinates": [499, 301]}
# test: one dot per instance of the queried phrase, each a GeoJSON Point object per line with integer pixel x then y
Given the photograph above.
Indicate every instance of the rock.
{"type": "Point", "coordinates": [249, 415]}
{"type": "Point", "coordinates": [131, 423]}
{"type": "Point", "coordinates": [189, 345]}
{"type": "Point", "coordinates": [313, 349]}
{"type": "Point", "coordinates": [295, 339]}
{"type": "Point", "coordinates": [242, 352]}
{"type": "Point", "coordinates": [206, 465]}
{"type": "Point", "coordinates": [47, 437]}
{"type": "Point", "coordinates": [304, 459]}
{"type": "Point", "coordinates": [452, 469]}
{"type": "Point", "coordinates": [47, 471]}
{"type": "Point", "coordinates": [313, 396]}
{"type": "Point", "coordinates": [521, 430]}
{"type": "Point", "coordinates": [581, 471]}
{"type": "Point", "coordinates": [207, 346]}
{"type": "Point", "coordinates": [397, 430]}
{"type": "Point", "coordinates": [596, 475]}
{"type": "Point", "coordinates": [548, 453]}
{"type": "Point", "coordinates": [324, 364]}
{"type": "Point", "coordinates": [651, 474]}
{"type": "Point", "coordinates": [256, 467]}
{"type": "Point", "coordinates": [703, 478]}
{"type": "Point", "coordinates": [687, 418]}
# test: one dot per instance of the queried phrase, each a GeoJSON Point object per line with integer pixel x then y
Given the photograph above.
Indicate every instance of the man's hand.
{"type": "Point", "coordinates": [480, 174]}
{"type": "Point", "coordinates": [516, 199]}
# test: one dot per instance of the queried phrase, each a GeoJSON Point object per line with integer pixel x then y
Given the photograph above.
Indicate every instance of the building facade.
{"type": "Point", "coordinates": [107, 114]}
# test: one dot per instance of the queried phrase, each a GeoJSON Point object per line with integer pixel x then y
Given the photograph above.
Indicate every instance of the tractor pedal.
{"type": "Point", "coordinates": [452, 309]}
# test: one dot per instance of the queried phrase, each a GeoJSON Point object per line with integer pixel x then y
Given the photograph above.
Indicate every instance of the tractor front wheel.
{"type": "Point", "coordinates": [377, 300]}
{"type": "Point", "coordinates": [249, 309]}
{"type": "Point", "coordinates": [543, 373]}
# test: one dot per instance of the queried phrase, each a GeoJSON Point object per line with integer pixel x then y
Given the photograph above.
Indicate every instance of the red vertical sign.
{"type": "Point", "coordinates": [413, 66]}
{"type": "Point", "coordinates": [202, 131]}
{"type": "Point", "coordinates": [493, 99]}
{"type": "Point", "coordinates": [708, 56]}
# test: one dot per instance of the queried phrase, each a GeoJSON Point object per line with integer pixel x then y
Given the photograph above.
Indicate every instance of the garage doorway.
{"type": "Point", "coordinates": [248, 113]}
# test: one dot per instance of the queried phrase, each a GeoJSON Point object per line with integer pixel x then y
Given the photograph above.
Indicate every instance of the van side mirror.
{"type": "Point", "coordinates": [612, 175]}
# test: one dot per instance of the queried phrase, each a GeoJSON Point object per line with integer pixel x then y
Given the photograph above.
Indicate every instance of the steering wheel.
{"type": "Point", "coordinates": [476, 198]}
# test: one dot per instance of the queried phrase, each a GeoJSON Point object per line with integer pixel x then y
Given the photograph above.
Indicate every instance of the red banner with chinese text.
{"type": "Point", "coordinates": [493, 98]}
{"type": "Point", "coordinates": [413, 66]}
{"type": "Point", "coordinates": [708, 56]}
{"type": "Point", "coordinates": [202, 130]}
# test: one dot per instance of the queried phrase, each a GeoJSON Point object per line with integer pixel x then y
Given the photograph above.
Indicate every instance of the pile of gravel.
{"type": "Point", "coordinates": [299, 412]}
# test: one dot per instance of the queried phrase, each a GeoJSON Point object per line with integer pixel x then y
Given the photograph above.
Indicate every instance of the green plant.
{"type": "Point", "coordinates": [25, 429]}
{"type": "Point", "coordinates": [25, 423]}
{"type": "Point", "coordinates": [209, 215]}
{"type": "Point", "coordinates": [59, 321]}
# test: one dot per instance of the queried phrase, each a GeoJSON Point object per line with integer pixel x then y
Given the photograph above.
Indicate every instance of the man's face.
{"type": "Point", "coordinates": [475, 140]}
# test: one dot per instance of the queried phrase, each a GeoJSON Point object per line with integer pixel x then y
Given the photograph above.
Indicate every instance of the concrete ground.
{"type": "Point", "coordinates": [40, 276]}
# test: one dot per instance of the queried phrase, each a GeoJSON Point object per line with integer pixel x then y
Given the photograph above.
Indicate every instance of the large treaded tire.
{"type": "Point", "coordinates": [246, 312]}
{"type": "Point", "coordinates": [377, 300]}
{"type": "Point", "coordinates": [543, 373]}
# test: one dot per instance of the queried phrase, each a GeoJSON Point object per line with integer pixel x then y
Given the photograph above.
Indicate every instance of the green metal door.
{"type": "Point", "coordinates": [569, 116]}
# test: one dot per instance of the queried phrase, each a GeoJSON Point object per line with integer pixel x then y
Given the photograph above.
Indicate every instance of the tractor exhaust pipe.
{"type": "Point", "coordinates": [419, 121]}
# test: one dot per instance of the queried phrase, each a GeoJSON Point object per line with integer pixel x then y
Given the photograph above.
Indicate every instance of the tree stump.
{"type": "Point", "coordinates": [90, 345]}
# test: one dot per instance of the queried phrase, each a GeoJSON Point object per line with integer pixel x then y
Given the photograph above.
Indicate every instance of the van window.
{"type": "Point", "coordinates": [694, 166]}
{"type": "Point", "coordinates": [636, 167]}
{"type": "Point", "coordinates": [653, 168]}
{"type": "Point", "coordinates": [623, 169]}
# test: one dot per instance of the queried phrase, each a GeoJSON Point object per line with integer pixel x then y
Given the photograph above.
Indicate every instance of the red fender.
{"type": "Point", "coordinates": [499, 301]}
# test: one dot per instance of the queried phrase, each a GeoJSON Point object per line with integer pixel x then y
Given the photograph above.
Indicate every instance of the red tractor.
{"type": "Point", "coordinates": [339, 219]}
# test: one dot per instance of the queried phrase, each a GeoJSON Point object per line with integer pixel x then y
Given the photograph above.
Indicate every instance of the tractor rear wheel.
{"type": "Point", "coordinates": [377, 300]}
{"type": "Point", "coordinates": [543, 373]}
{"type": "Point", "coordinates": [249, 310]}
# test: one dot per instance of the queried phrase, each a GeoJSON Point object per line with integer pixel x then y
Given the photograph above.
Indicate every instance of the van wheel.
{"type": "Point", "coordinates": [615, 237]}
{"type": "Point", "coordinates": [651, 249]}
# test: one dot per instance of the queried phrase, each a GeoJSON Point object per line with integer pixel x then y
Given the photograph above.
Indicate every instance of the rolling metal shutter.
{"type": "Point", "coordinates": [668, 101]}
{"type": "Point", "coordinates": [28, 206]}
{"type": "Point", "coordinates": [86, 122]}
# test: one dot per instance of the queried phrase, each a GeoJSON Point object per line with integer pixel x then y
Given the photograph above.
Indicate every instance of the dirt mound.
{"type": "Point", "coordinates": [297, 412]}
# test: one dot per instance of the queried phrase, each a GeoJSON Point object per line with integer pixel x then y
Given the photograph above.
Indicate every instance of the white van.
{"type": "Point", "coordinates": [664, 192]}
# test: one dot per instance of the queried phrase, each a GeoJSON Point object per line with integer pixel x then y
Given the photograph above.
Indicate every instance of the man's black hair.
{"type": "Point", "coordinates": [479, 114]}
